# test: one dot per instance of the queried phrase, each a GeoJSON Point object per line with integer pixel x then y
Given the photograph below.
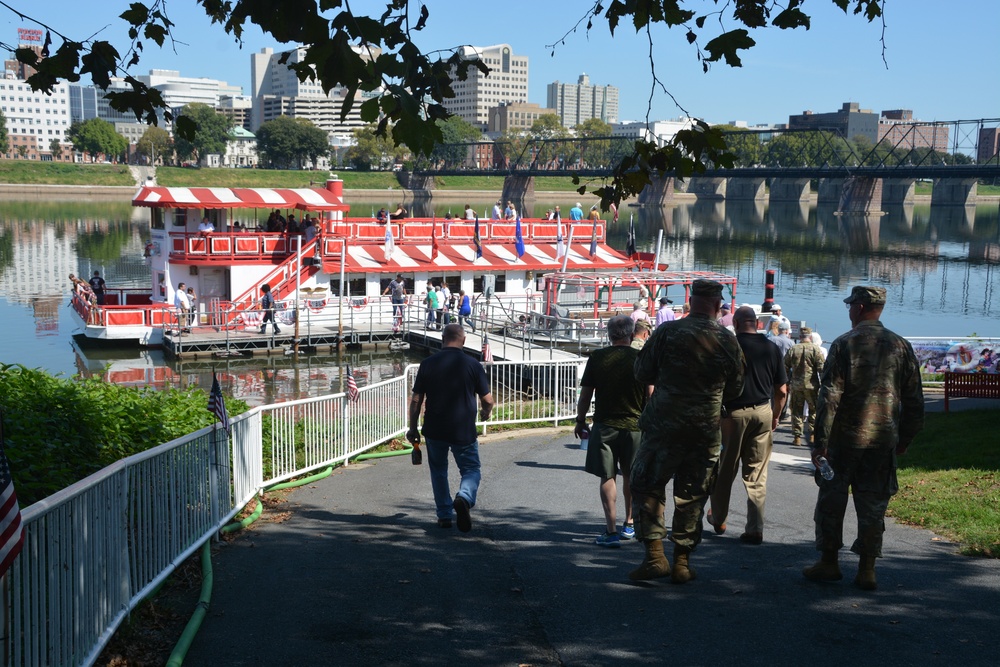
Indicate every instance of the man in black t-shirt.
{"type": "Point", "coordinates": [97, 286]}
{"type": "Point", "coordinates": [614, 439]}
{"type": "Point", "coordinates": [450, 381]}
{"type": "Point", "coordinates": [747, 429]}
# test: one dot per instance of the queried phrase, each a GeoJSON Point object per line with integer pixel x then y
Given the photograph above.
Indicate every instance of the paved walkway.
{"type": "Point", "coordinates": [359, 573]}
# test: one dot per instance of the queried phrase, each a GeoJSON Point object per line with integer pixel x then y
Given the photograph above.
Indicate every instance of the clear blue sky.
{"type": "Point", "coordinates": [943, 55]}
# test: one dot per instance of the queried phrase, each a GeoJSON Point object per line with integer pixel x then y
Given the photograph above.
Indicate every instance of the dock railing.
{"type": "Point", "coordinates": [93, 551]}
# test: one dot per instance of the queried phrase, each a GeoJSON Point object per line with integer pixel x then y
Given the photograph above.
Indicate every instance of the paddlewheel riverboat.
{"type": "Point", "coordinates": [338, 274]}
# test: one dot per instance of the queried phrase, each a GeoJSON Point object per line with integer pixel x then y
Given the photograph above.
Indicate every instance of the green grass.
{"type": "Point", "coordinates": [949, 481]}
{"type": "Point", "coordinates": [29, 172]}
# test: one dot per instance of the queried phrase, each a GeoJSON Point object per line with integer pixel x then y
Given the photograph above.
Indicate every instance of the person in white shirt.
{"type": "Point", "coordinates": [184, 306]}
{"type": "Point", "coordinates": [638, 313]}
{"type": "Point", "coordinates": [206, 225]}
{"type": "Point", "coordinates": [776, 315]}
{"type": "Point", "coordinates": [497, 210]}
{"type": "Point", "coordinates": [469, 213]}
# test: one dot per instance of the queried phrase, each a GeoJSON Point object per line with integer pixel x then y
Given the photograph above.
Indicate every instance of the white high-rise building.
{"type": "Point", "coordinates": [576, 102]}
{"type": "Point", "coordinates": [178, 90]}
{"type": "Point", "coordinates": [659, 132]}
{"type": "Point", "coordinates": [34, 119]}
{"type": "Point", "coordinates": [277, 91]}
{"type": "Point", "coordinates": [507, 83]}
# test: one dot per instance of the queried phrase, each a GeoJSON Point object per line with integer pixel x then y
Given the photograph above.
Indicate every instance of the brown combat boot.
{"type": "Point", "coordinates": [825, 569]}
{"type": "Point", "coordinates": [654, 565]}
{"type": "Point", "coordinates": [865, 579]}
{"type": "Point", "coordinates": [683, 572]}
{"type": "Point", "coordinates": [797, 442]}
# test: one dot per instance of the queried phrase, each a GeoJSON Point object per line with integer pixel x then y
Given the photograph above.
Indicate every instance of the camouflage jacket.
{"type": "Point", "coordinates": [870, 396]}
{"type": "Point", "coordinates": [695, 365]}
{"type": "Point", "coordinates": [804, 363]}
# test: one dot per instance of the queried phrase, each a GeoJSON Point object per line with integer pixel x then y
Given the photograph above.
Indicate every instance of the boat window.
{"type": "Point", "coordinates": [156, 218]}
{"type": "Point", "coordinates": [180, 217]}
{"type": "Point", "coordinates": [477, 283]}
{"type": "Point", "coordinates": [355, 287]}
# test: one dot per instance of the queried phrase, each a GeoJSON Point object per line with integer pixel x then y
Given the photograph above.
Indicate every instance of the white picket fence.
{"type": "Point", "coordinates": [96, 549]}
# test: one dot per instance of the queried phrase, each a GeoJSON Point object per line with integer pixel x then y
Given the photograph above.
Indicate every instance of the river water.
{"type": "Point", "coordinates": [941, 268]}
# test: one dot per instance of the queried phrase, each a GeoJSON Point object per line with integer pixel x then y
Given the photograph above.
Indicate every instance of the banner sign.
{"type": "Point", "coordinates": [957, 355]}
{"type": "Point", "coordinates": [28, 35]}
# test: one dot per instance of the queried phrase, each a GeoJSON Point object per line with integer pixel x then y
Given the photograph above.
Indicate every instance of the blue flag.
{"type": "Point", "coordinates": [518, 239]}
{"type": "Point", "coordinates": [593, 241]}
{"type": "Point", "coordinates": [477, 240]}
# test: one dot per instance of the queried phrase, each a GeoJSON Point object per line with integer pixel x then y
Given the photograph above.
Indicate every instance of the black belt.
{"type": "Point", "coordinates": [751, 407]}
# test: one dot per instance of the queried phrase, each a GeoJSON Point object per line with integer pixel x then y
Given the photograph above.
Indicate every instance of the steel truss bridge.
{"type": "Point", "coordinates": [961, 149]}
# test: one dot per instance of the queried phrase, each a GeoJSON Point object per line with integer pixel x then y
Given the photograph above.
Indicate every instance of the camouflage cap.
{"type": "Point", "coordinates": [706, 288]}
{"type": "Point", "coordinates": [866, 294]}
{"type": "Point", "coordinates": [643, 324]}
{"type": "Point", "coordinates": [805, 331]}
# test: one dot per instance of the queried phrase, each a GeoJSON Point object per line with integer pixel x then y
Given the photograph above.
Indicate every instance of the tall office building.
{"type": "Point", "coordinates": [178, 90]}
{"type": "Point", "coordinates": [277, 91]}
{"type": "Point", "coordinates": [849, 122]}
{"type": "Point", "coordinates": [576, 102]}
{"type": "Point", "coordinates": [507, 83]}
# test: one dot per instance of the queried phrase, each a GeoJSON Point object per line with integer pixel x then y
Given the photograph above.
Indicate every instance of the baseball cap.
{"type": "Point", "coordinates": [775, 307]}
{"type": "Point", "coordinates": [866, 294]}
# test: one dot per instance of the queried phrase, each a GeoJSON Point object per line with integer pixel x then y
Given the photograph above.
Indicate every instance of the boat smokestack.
{"type": "Point", "coordinates": [768, 291]}
{"type": "Point", "coordinates": [336, 186]}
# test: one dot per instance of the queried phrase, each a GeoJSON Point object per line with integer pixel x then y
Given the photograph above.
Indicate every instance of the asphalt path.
{"type": "Point", "coordinates": [356, 571]}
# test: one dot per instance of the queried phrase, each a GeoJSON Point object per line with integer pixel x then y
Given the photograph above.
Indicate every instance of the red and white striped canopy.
{"type": "Point", "coordinates": [305, 199]}
{"type": "Point", "coordinates": [456, 257]}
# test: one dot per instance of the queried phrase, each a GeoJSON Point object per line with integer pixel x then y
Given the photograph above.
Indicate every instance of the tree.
{"type": "Point", "coordinates": [211, 136]}
{"type": "Point", "coordinates": [596, 152]}
{"type": "Point", "coordinates": [55, 147]}
{"type": "Point", "coordinates": [454, 131]}
{"type": "Point", "coordinates": [313, 142]}
{"type": "Point", "coordinates": [407, 86]}
{"type": "Point", "coordinates": [97, 137]}
{"type": "Point", "coordinates": [4, 141]}
{"type": "Point", "coordinates": [154, 142]}
{"type": "Point", "coordinates": [22, 151]}
{"type": "Point", "coordinates": [370, 151]}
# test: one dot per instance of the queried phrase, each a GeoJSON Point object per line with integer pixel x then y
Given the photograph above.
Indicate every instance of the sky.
{"type": "Point", "coordinates": [942, 55]}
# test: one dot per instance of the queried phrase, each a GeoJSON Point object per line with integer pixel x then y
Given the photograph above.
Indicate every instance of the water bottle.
{"type": "Point", "coordinates": [416, 456]}
{"type": "Point", "coordinates": [585, 439]}
{"type": "Point", "coordinates": [824, 468]}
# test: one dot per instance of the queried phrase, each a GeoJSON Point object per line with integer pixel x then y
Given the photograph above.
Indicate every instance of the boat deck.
{"type": "Point", "coordinates": [207, 342]}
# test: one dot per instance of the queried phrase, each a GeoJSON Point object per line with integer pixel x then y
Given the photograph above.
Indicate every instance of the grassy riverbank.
{"type": "Point", "coordinates": [951, 485]}
{"type": "Point", "coordinates": [27, 172]}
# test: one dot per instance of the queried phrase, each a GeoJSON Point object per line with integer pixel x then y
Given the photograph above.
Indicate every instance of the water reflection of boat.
{"type": "Point", "coordinates": [256, 380]}
{"type": "Point", "coordinates": [195, 240]}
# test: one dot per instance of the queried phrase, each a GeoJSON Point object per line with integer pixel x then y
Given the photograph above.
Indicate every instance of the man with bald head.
{"type": "Point", "coordinates": [871, 406]}
{"type": "Point", "coordinates": [748, 427]}
{"type": "Point", "coordinates": [695, 366]}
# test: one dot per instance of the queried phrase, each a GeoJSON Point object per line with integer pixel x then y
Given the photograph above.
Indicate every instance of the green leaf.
{"type": "Point", "coordinates": [726, 46]}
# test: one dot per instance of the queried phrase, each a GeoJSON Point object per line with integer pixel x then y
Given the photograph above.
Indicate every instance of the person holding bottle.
{"type": "Point", "coordinates": [614, 437]}
{"type": "Point", "coordinates": [871, 406]}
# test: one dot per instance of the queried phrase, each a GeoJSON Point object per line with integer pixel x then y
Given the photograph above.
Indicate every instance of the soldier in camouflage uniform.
{"type": "Point", "coordinates": [871, 405]}
{"type": "Point", "coordinates": [694, 364]}
{"type": "Point", "coordinates": [803, 364]}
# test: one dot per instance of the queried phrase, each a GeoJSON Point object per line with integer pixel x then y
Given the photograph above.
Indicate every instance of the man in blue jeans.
{"type": "Point", "coordinates": [450, 381]}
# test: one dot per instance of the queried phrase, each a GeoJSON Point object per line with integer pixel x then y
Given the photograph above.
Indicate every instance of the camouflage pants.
{"type": "Point", "coordinates": [870, 475]}
{"type": "Point", "coordinates": [693, 466]}
{"type": "Point", "coordinates": [798, 399]}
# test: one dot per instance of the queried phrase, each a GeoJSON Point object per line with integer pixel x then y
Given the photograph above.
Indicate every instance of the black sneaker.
{"type": "Point", "coordinates": [444, 523]}
{"type": "Point", "coordinates": [462, 516]}
{"type": "Point", "coordinates": [277, 331]}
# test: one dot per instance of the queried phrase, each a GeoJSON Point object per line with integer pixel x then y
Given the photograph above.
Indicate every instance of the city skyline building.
{"type": "Point", "coordinates": [577, 102]}
{"type": "Point", "coordinates": [515, 117]}
{"type": "Point", "coordinates": [659, 132]}
{"type": "Point", "coordinates": [507, 83]}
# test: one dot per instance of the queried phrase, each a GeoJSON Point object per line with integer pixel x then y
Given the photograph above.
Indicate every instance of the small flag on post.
{"type": "Point", "coordinates": [518, 238]}
{"type": "Point", "coordinates": [352, 387]}
{"type": "Point", "coordinates": [216, 404]}
{"type": "Point", "coordinates": [434, 239]}
{"type": "Point", "coordinates": [614, 209]}
{"type": "Point", "coordinates": [477, 240]}
{"type": "Point", "coordinates": [487, 353]}
{"type": "Point", "coordinates": [11, 530]}
{"type": "Point", "coordinates": [560, 245]}
{"type": "Point", "coordinates": [630, 243]}
{"type": "Point", "coordinates": [593, 241]}
{"type": "Point", "coordinates": [390, 242]}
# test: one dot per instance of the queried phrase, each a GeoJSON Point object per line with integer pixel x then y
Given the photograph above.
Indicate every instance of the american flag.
{"type": "Point", "coordinates": [487, 354]}
{"type": "Point", "coordinates": [560, 246]}
{"type": "Point", "coordinates": [11, 531]}
{"type": "Point", "coordinates": [614, 209]}
{"type": "Point", "coordinates": [352, 387]}
{"type": "Point", "coordinates": [216, 404]}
